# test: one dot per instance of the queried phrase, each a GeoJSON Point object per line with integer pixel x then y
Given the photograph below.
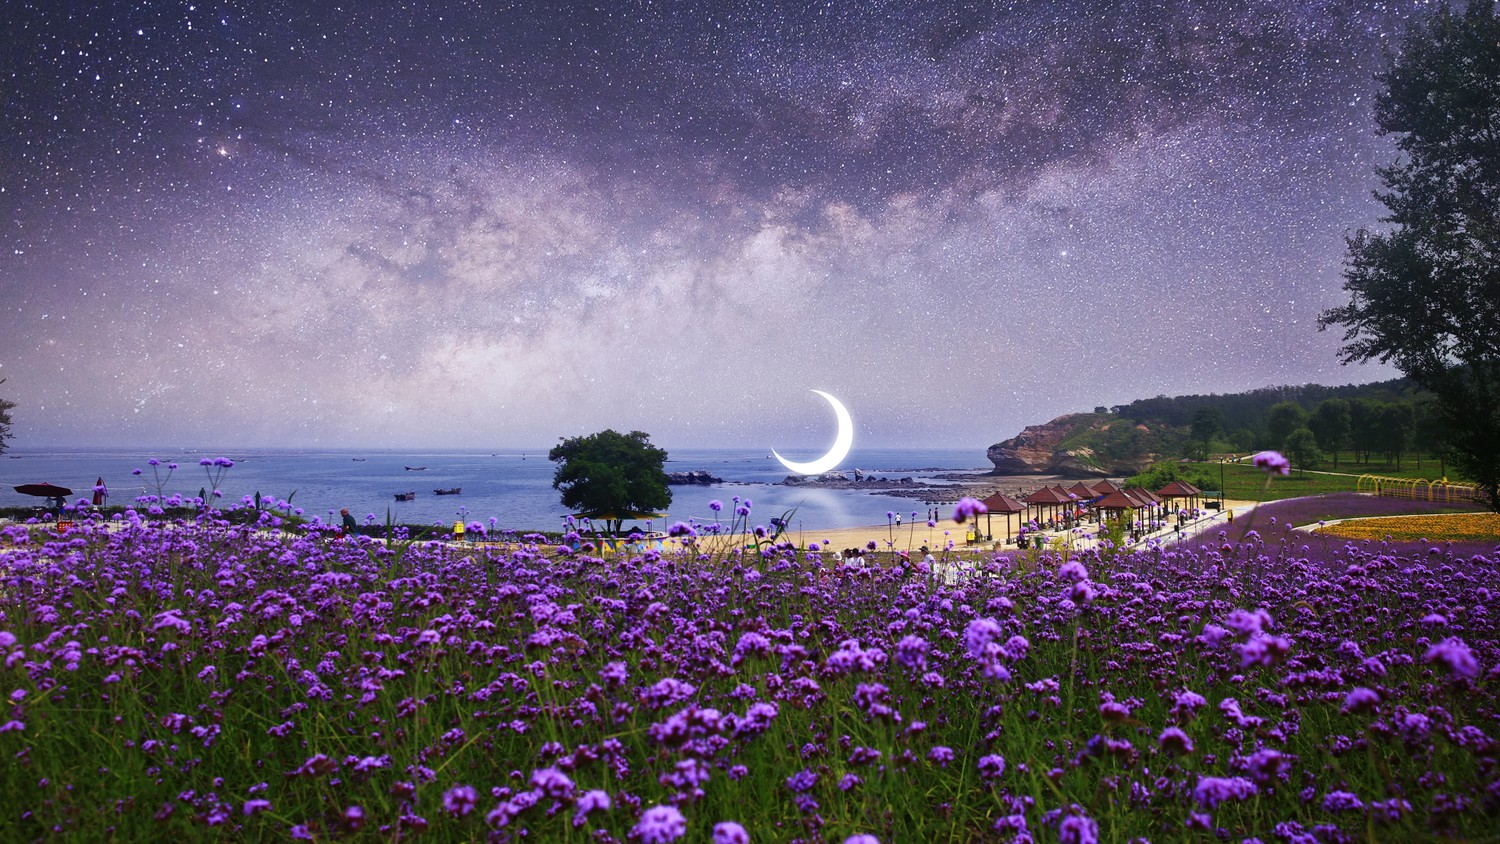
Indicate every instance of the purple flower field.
{"type": "Point", "coordinates": [1273, 522]}
{"type": "Point", "coordinates": [202, 681]}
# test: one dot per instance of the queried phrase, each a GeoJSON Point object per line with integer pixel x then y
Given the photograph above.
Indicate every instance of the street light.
{"type": "Point", "coordinates": [1221, 481]}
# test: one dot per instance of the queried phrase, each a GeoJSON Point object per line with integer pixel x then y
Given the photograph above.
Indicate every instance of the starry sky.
{"type": "Point", "coordinates": [491, 224]}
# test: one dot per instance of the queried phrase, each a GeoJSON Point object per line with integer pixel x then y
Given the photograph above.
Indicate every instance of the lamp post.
{"type": "Point", "coordinates": [1221, 483]}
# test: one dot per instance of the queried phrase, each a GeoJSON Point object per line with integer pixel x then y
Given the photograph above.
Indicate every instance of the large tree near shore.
{"type": "Point", "coordinates": [1425, 288]}
{"type": "Point", "coordinates": [609, 475]}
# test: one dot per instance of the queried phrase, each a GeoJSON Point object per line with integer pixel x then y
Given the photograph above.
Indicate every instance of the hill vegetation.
{"type": "Point", "coordinates": [1388, 424]}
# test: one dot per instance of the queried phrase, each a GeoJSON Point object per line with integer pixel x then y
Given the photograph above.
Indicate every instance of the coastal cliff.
{"type": "Point", "coordinates": [1079, 444]}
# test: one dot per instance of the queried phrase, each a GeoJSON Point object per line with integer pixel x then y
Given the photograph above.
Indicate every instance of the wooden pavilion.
{"type": "Point", "coordinates": [1116, 500]}
{"type": "Point", "coordinates": [1048, 497]}
{"type": "Point", "coordinates": [1174, 490]}
{"type": "Point", "coordinates": [1084, 492]}
{"type": "Point", "coordinates": [1105, 487]}
{"type": "Point", "coordinates": [1004, 504]}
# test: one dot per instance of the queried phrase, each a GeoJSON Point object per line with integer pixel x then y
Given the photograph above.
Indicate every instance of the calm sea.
{"type": "Point", "coordinates": [512, 487]}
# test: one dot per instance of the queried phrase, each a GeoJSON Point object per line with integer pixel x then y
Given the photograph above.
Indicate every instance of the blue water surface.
{"type": "Point", "coordinates": [512, 488]}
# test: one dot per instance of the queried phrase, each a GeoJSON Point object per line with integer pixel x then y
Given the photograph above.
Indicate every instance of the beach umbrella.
{"type": "Point", "coordinates": [44, 490]}
{"type": "Point", "coordinates": [56, 495]}
{"type": "Point", "coordinates": [100, 492]}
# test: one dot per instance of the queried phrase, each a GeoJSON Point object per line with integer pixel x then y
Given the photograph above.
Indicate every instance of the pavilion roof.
{"type": "Point", "coordinates": [1002, 503]}
{"type": "Point", "coordinates": [1083, 491]}
{"type": "Point", "coordinates": [1117, 500]}
{"type": "Point", "coordinates": [1179, 489]}
{"type": "Point", "coordinates": [1106, 486]}
{"type": "Point", "coordinates": [1048, 495]}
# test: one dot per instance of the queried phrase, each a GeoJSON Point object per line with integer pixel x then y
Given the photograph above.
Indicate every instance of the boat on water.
{"type": "Point", "coordinates": [406, 496]}
{"type": "Point", "coordinates": [453, 491]}
{"type": "Point", "coordinates": [358, 459]}
{"type": "Point", "coordinates": [416, 468]}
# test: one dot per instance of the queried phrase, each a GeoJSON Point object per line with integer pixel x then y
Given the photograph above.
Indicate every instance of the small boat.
{"type": "Point", "coordinates": [358, 459]}
{"type": "Point", "coordinates": [454, 491]}
{"type": "Point", "coordinates": [416, 468]}
{"type": "Point", "coordinates": [406, 496]}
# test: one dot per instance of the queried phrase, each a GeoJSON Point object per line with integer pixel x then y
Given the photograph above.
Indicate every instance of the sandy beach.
{"type": "Point", "coordinates": [912, 538]}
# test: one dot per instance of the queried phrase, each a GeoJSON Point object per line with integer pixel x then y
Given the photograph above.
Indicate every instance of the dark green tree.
{"type": "Point", "coordinates": [1281, 420]}
{"type": "Point", "coordinates": [5, 408]}
{"type": "Point", "coordinates": [1161, 474]}
{"type": "Point", "coordinates": [1331, 424]}
{"type": "Point", "coordinates": [1243, 439]}
{"type": "Point", "coordinates": [609, 474]}
{"type": "Point", "coordinates": [1302, 449]}
{"type": "Point", "coordinates": [1208, 422]}
{"type": "Point", "coordinates": [1363, 431]}
{"type": "Point", "coordinates": [1394, 428]}
{"type": "Point", "coordinates": [1431, 433]}
{"type": "Point", "coordinates": [1425, 290]}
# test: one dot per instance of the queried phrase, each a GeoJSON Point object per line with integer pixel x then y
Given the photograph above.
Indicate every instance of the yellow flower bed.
{"type": "Point", "coordinates": [1459, 527]}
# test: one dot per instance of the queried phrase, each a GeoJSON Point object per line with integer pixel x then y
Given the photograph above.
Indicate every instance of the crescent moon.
{"type": "Point", "coordinates": [841, 444]}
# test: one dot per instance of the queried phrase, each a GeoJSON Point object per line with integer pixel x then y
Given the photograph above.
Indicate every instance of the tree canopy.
{"type": "Point", "coordinates": [1302, 447]}
{"type": "Point", "coordinates": [5, 408]}
{"type": "Point", "coordinates": [1208, 422]}
{"type": "Point", "coordinates": [1425, 290]}
{"type": "Point", "coordinates": [1332, 424]}
{"type": "Point", "coordinates": [608, 475]}
{"type": "Point", "coordinates": [1282, 419]}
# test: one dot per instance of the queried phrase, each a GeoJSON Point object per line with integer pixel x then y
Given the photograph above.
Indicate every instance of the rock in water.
{"type": "Point", "coordinates": [698, 478]}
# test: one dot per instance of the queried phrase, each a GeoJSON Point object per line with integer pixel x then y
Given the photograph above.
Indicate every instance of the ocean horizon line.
{"type": "Point", "coordinates": [515, 486]}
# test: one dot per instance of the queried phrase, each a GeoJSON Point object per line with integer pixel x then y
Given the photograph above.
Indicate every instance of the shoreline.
{"type": "Point", "coordinates": [909, 538]}
{"type": "Point", "coordinates": [936, 538]}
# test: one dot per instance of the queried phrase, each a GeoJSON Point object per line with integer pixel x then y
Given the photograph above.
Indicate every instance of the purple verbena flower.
{"type": "Point", "coordinates": [968, 508]}
{"type": "Point", "coordinates": [660, 825]}
{"type": "Point", "coordinates": [729, 832]}
{"type": "Point", "coordinates": [1455, 656]}
{"type": "Point", "coordinates": [1211, 791]}
{"type": "Point", "coordinates": [1176, 741]}
{"type": "Point", "coordinates": [1078, 829]}
{"type": "Point", "coordinates": [1272, 463]}
{"type": "Point", "coordinates": [991, 766]}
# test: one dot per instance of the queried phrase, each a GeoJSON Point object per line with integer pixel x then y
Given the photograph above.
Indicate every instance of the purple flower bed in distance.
{"type": "Point", "coordinates": [1272, 521]}
{"type": "Point", "coordinates": [203, 681]}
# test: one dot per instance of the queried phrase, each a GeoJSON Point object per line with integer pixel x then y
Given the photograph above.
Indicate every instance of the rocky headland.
{"type": "Point", "coordinates": [1078, 445]}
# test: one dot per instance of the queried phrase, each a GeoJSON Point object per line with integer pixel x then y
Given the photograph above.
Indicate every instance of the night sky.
{"type": "Point", "coordinates": [491, 224]}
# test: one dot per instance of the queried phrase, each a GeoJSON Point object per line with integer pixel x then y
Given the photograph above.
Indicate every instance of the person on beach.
{"type": "Point", "coordinates": [349, 524]}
